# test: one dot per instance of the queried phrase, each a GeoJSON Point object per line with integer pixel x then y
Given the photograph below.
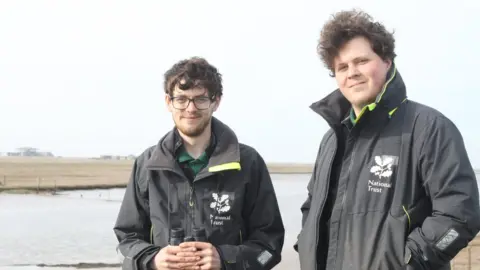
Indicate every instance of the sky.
{"type": "Point", "coordinates": [85, 78]}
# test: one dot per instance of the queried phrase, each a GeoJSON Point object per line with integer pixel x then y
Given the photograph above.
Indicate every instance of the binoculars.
{"type": "Point", "coordinates": [177, 236]}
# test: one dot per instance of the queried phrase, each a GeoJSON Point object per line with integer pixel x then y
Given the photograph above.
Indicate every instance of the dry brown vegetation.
{"type": "Point", "coordinates": [61, 173]}
{"type": "Point", "coordinates": [29, 174]}
{"type": "Point", "coordinates": [75, 173]}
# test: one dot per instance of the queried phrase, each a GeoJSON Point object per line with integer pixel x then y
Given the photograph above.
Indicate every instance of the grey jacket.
{"type": "Point", "coordinates": [233, 199]}
{"type": "Point", "coordinates": [407, 194]}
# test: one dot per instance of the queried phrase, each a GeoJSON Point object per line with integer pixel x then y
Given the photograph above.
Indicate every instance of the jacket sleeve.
{"type": "Point", "coordinates": [132, 227]}
{"type": "Point", "coordinates": [305, 208]}
{"type": "Point", "coordinates": [262, 245]}
{"type": "Point", "coordinates": [450, 182]}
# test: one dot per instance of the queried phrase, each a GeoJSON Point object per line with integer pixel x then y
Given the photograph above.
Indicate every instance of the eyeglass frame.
{"type": "Point", "coordinates": [210, 99]}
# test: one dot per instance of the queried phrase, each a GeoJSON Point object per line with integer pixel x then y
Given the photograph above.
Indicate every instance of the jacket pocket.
{"type": "Point", "coordinates": [417, 212]}
{"type": "Point", "coordinates": [400, 222]}
{"type": "Point", "coordinates": [391, 246]}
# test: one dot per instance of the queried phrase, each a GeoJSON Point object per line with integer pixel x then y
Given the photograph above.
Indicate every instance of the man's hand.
{"type": "Point", "coordinates": [210, 259]}
{"type": "Point", "coordinates": [174, 257]}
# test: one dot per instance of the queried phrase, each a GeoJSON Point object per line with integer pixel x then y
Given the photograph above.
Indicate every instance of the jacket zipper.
{"type": "Point", "coordinates": [324, 199]}
{"type": "Point", "coordinates": [190, 202]}
{"type": "Point", "coordinates": [192, 189]}
{"type": "Point", "coordinates": [190, 211]}
{"type": "Point", "coordinates": [348, 180]}
{"type": "Point", "coordinates": [352, 159]}
{"type": "Point", "coordinates": [151, 234]}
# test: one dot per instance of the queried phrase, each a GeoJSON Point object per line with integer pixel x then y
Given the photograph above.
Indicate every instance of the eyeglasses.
{"type": "Point", "coordinates": [200, 102]}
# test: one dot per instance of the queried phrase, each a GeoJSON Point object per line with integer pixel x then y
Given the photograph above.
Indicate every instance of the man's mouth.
{"type": "Point", "coordinates": [356, 84]}
{"type": "Point", "coordinates": [191, 117]}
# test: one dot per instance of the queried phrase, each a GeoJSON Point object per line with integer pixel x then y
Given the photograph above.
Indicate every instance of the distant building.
{"type": "Point", "coordinates": [112, 157]}
{"type": "Point", "coordinates": [29, 152]}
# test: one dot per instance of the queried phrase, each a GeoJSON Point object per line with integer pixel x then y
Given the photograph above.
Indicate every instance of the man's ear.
{"type": "Point", "coordinates": [389, 63]}
{"type": "Point", "coordinates": [168, 102]}
{"type": "Point", "coordinates": [217, 103]}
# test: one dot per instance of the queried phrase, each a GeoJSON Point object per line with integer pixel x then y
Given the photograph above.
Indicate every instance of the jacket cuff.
{"type": "Point", "coordinates": [132, 260]}
{"type": "Point", "coordinates": [411, 260]}
{"type": "Point", "coordinates": [229, 255]}
{"type": "Point", "coordinates": [148, 258]}
{"type": "Point", "coordinates": [222, 258]}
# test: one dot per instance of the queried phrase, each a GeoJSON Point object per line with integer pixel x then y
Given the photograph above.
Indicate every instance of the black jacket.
{"type": "Point", "coordinates": [233, 199]}
{"type": "Point", "coordinates": [407, 197]}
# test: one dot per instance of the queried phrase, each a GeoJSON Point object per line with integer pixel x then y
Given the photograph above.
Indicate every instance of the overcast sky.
{"type": "Point", "coordinates": [84, 78]}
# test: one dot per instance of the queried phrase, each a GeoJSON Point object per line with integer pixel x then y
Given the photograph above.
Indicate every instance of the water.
{"type": "Point", "coordinates": [76, 227]}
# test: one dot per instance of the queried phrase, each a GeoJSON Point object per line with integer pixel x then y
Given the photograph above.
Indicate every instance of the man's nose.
{"type": "Point", "coordinates": [352, 71]}
{"type": "Point", "coordinates": [191, 107]}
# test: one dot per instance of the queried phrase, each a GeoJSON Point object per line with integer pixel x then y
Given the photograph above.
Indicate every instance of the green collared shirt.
{"type": "Point", "coordinates": [353, 117]}
{"type": "Point", "coordinates": [191, 165]}
{"type": "Point", "coordinates": [196, 165]}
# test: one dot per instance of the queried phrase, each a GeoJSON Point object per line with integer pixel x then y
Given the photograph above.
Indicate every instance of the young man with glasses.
{"type": "Point", "coordinates": [199, 178]}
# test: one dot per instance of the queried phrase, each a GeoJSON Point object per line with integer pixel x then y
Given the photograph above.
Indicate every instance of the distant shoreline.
{"type": "Point", "coordinates": [24, 175]}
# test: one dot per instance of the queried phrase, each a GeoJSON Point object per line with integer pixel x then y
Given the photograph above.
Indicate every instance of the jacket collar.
{"type": "Point", "coordinates": [334, 108]}
{"type": "Point", "coordinates": [181, 154]}
{"type": "Point", "coordinates": [225, 152]}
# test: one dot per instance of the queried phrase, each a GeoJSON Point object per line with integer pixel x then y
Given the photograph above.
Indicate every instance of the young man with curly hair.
{"type": "Point", "coordinates": [392, 187]}
{"type": "Point", "coordinates": [199, 178]}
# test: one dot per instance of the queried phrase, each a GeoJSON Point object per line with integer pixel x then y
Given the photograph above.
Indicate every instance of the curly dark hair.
{"type": "Point", "coordinates": [193, 72]}
{"type": "Point", "coordinates": [346, 25]}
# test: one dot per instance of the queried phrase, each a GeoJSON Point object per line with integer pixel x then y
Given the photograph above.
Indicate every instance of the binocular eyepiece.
{"type": "Point", "coordinates": [177, 236]}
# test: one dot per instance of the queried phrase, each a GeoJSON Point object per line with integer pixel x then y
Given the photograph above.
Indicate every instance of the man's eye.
{"type": "Point", "coordinates": [202, 100]}
{"type": "Point", "coordinates": [181, 100]}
